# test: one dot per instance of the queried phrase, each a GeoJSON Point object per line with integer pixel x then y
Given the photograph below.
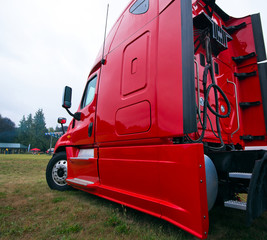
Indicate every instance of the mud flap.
{"type": "Point", "coordinates": [257, 195]}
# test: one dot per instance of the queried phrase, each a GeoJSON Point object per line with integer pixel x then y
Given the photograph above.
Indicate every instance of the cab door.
{"type": "Point", "coordinates": [83, 130]}
{"type": "Point", "coordinates": [83, 164]}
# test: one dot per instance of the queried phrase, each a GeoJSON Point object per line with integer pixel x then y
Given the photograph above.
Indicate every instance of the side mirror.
{"type": "Point", "coordinates": [66, 102]}
{"type": "Point", "coordinates": [62, 121]}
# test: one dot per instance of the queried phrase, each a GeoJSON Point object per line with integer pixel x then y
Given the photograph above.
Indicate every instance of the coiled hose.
{"type": "Point", "coordinates": [209, 69]}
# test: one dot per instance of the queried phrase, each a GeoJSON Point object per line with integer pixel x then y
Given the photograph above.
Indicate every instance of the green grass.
{"type": "Point", "coordinates": [30, 210]}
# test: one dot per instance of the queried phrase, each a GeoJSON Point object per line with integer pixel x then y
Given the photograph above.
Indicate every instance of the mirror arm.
{"type": "Point", "coordinates": [76, 116]}
{"type": "Point", "coordinates": [61, 121]}
{"type": "Point", "coordinates": [62, 127]}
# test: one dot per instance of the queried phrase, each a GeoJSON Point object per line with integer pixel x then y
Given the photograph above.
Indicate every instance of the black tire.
{"type": "Point", "coordinates": [56, 172]}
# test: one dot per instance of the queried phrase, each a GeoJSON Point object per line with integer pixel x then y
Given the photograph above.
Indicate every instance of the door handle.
{"type": "Point", "coordinates": [90, 129]}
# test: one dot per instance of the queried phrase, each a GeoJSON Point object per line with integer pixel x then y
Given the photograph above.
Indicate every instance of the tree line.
{"type": "Point", "coordinates": [31, 130]}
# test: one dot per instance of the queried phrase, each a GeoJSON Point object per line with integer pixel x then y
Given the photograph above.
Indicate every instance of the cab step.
{"type": "Point", "coordinates": [236, 204]}
{"type": "Point", "coordinates": [240, 175]}
{"type": "Point", "coordinates": [81, 182]}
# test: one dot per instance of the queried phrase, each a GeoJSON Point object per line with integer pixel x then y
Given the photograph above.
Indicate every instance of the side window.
{"type": "Point", "coordinates": [140, 7]}
{"type": "Point", "coordinates": [89, 92]}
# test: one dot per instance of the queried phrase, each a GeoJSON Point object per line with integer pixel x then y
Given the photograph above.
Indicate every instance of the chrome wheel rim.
{"type": "Point", "coordinates": [59, 172]}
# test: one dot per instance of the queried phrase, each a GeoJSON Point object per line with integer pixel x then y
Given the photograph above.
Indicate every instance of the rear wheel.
{"type": "Point", "coordinates": [56, 172]}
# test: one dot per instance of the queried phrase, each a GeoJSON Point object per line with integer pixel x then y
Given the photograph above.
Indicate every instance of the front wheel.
{"type": "Point", "coordinates": [56, 172]}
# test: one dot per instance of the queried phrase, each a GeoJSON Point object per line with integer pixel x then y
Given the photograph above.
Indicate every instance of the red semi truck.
{"type": "Point", "coordinates": [176, 96]}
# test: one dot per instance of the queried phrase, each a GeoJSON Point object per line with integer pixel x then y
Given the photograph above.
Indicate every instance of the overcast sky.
{"type": "Point", "coordinates": [47, 44]}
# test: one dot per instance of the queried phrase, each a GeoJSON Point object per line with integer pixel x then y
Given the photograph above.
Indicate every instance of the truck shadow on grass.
{"type": "Point", "coordinates": [231, 224]}
{"type": "Point", "coordinates": [128, 221]}
{"type": "Point", "coordinates": [224, 223]}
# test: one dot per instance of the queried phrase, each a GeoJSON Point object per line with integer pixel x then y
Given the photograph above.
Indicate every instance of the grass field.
{"type": "Point", "coordinates": [30, 210]}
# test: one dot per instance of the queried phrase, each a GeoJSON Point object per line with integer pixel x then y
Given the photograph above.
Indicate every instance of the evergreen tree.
{"type": "Point", "coordinates": [25, 130]}
{"type": "Point", "coordinates": [39, 129]}
{"type": "Point", "coordinates": [29, 122]}
{"type": "Point", "coordinates": [29, 129]}
{"type": "Point", "coordinates": [32, 131]}
{"type": "Point", "coordinates": [8, 130]}
{"type": "Point", "coordinates": [22, 132]}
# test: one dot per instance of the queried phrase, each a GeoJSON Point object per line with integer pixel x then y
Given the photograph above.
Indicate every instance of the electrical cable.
{"type": "Point", "coordinates": [212, 127]}
{"type": "Point", "coordinates": [218, 116]}
{"type": "Point", "coordinates": [201, 37]}
{"type": "Point", "coordinates": [209, 70]}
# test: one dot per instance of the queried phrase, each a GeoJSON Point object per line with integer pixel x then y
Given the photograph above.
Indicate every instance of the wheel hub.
{"type": "Point", "coordinates": [60, 172]}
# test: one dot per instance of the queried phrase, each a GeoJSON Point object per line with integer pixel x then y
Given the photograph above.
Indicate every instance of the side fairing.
{"type": "Point", "coordinates": [167, 181]}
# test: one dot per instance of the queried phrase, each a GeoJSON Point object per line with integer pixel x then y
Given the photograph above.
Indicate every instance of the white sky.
{"type": "Point", "coordinates": [47, 44]}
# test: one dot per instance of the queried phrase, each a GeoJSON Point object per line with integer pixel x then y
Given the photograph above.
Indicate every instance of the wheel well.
{"type": "Point", "coordinates": [60, 149]}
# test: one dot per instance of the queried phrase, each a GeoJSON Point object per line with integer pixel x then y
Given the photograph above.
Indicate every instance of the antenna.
{"type": "Point", "coordinates": [103, 61]}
